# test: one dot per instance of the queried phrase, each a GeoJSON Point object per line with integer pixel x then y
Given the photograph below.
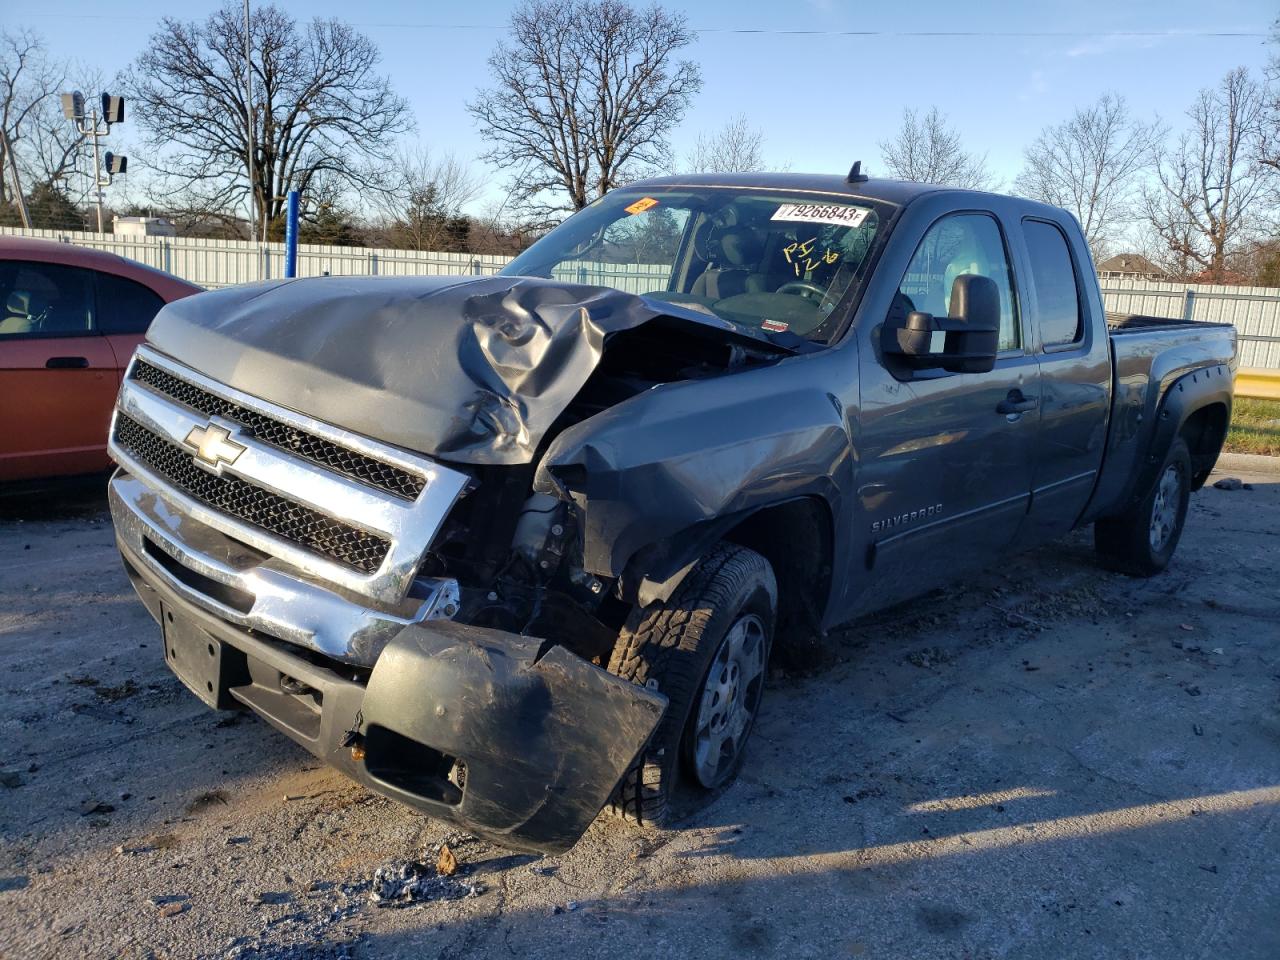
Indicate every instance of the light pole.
{"type": "Point", "coordinates": [17, 180]}
{"type": "Point", "coordinates": [248, 108]}
{"type": "Point", "coordinates": [88, 126]}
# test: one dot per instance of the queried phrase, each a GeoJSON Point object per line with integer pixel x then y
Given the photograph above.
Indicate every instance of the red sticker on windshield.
{"type": "Point", "coordinates": [774, 326]}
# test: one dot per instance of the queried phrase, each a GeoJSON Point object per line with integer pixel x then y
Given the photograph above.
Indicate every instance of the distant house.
{"type": "Point", "coordinates": [143, 227]}
{"type": "Point", "coordinates": [1129, 266]}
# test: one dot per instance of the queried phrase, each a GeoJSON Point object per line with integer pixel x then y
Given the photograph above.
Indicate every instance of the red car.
{"type": "Point", "coordinates": [70, 318]}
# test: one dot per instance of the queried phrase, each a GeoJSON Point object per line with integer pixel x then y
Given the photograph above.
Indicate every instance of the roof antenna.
{"type": "Point", "coordinates": [855, 174]}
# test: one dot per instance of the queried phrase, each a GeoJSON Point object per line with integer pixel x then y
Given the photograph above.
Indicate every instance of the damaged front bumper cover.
{"type": "Point", "coordinates": [512, 738]}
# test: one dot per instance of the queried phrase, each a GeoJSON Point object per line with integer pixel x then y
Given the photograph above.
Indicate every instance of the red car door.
{"type": "Point", "coordinates": [58, 374]}
{"type": "Point", "coordinates": [125, 310]}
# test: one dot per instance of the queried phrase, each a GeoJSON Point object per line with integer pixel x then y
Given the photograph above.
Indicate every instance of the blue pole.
{"type": "Point", "coordinates": [291, 236]}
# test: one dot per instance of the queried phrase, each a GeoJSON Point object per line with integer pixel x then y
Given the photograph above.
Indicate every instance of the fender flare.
{"type": "Point", "coordinates": [1184, 397]}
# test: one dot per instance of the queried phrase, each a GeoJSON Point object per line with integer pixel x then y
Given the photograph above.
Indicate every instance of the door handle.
{"type": "Point", "coordinates": [1015, 402]}
{"type": "Point", "coordinates": [67, 363]}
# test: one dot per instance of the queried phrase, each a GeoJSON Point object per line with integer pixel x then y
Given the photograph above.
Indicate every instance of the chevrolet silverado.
{"type": "Point", "coordinates": [512, 549]}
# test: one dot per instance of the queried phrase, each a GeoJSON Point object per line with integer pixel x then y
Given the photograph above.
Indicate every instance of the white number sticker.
{"type": "Point", "coordinates": [833, 213]}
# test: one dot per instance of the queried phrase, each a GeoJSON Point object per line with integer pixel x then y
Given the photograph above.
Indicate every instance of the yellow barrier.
{"type": "Point", "coordinates": [1258, 383]}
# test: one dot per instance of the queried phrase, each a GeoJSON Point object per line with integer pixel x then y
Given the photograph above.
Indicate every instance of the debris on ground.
{"type": "Point", "coordinates": [95, 806]}
{"type": "Point", "coordinates": [417, 882]}
{"type": "Point", "coordinates": [170, 905]}
{"type": "Point", "coordinates": [447, 863]}
{"type": "Point", "coordinates": [11, 779]}
{"type": "Point", "coordinates": [1229, 483]}
{"type": "Point", "coordinates": [121, 691]}
{"type": "Point", "coordinates": [206, 800]}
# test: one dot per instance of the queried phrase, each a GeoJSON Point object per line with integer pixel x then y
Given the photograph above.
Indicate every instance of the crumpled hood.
{"type": "Point", "coordinates": [470, 369]}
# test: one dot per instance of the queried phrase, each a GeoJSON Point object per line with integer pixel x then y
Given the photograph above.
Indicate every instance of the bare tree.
{"type": "Point", "coordinates": [29, 86]}
{"type": "Point", "coordinates": [927, 150]}
{"type": "Point", "coordinates": [321, 111]}
{"type": "Point", "coordinates": [734, 148]}
{"type": "Point", "coordinates": [425, 210]}
{"type": "Point", "coordinates": [1205, 200]}
{"type": "Point", "coordinates": [584, 95]}
{"type": "Point", "coordinates": [1269, 137]}
{"type": "Point", "coordinates": [1090, 165]}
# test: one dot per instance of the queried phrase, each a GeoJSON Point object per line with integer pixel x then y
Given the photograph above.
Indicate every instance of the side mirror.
{"type": "Point", "coordinates": [965, 342]}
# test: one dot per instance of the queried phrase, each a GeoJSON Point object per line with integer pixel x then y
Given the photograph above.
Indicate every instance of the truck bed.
{"type": "Point", "coordinates": [1149, 355]}
{"type": "Point", "coordinates": [1126, 323]}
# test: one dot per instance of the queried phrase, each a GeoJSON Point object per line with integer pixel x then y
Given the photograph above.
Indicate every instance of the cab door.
{"type": "Point", "coordinates": [945, 471]}
{"type": "Point", "coordinates": [58, 374]}
{"type": "Point", "coordinates": [1074, 353]}
{"type": "Point", "coordinates": [125, 309]}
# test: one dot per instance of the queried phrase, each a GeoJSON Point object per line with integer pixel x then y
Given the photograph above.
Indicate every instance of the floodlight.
{"type": "Point", "coordinates": [73, 105]}
{"type": "Point", "coordinates": [112, 109]}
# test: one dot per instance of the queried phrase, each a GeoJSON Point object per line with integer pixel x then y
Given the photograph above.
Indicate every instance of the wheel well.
{"type": "Point", "coordinates": [796, 538]}
{"type": "Point", "coordinates": [1204, 431]}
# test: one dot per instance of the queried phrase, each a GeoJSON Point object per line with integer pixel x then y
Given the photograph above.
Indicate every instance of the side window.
{"type": "Point", "coordinates": [1054, 276]}
{"type": "Point", "coordinates": [954, 246]}
{"type": "Point", "coordinates": [44, 300]}
{"type": "Point", "coordinates": [125, 306]}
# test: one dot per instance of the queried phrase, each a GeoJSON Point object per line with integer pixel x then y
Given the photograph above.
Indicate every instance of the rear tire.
{"type": "Point", "coordinates": [1141, 541]}
{"type": "Point", "coordinates": [706, 649]}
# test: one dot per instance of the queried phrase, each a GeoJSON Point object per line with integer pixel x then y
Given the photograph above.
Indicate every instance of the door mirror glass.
{"type": "Point", "coordinates": [966, 341]}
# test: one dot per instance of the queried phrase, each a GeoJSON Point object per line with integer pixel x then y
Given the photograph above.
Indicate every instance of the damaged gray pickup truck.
{"type": "Point", "coordinates": [512, 549]}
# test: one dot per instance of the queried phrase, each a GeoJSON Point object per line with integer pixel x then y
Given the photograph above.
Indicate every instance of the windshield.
{"type": "Point", "coordinates": [770, 261]}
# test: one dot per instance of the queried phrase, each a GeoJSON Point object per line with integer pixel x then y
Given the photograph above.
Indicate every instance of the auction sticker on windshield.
{"type": "Point", "coordinates": [641, 205]}
{"type": "Point", "coordinates": [834, 213]}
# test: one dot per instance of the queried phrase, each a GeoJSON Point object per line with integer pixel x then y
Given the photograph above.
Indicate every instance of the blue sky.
{"type": "Point", "coordinates": [822, 100]}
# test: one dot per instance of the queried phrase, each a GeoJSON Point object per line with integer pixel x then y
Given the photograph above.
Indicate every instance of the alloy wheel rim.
{"type": "Point", "coordinates": [1164, 511]}
{"type": "Point", "coordinates": [729, 698]}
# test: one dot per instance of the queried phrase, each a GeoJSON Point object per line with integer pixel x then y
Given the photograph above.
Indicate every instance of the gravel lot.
{"type": "Point", "coordinates": [1051, 761]}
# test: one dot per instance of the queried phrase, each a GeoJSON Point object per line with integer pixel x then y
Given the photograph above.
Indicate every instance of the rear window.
{"type": "Point", "coordinates": [125, 306]}
{"type": "Point", "coordinates": [1054, 276]}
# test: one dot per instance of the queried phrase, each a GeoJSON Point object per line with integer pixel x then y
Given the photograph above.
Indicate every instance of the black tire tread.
{"type": "Point", "coordinates": [1121, 542]}
{"type": "Point", "coordinates": [661, 643]}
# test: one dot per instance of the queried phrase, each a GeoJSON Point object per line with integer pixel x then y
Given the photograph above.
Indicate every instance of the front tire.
{"type": "Point", "coordinates": [706, 648]}
{"type": "Point", "coordinates": [1141, 541]}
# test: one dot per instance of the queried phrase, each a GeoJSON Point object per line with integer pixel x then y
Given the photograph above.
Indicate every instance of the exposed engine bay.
{"type": "Point", "coordinates": [512, 363]}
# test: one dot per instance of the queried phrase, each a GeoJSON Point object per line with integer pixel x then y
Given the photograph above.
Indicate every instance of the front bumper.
{"type": "Point", "coordinates": [510, 737]}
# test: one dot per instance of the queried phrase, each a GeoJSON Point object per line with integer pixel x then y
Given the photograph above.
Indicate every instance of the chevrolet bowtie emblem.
{"type": "Point", "coordinates": [213, 445]}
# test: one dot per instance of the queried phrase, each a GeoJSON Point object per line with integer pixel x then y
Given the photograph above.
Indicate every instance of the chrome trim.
{"type": "Point", "coordinates": [409, 526]}
{"type": "Point", "coordinates": [285, 606]}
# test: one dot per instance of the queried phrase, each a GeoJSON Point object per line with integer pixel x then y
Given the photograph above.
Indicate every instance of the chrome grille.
{"type": "Point", "coordinates": [283, 436]}
{"type": "Point", "coordinates": [268, 511]}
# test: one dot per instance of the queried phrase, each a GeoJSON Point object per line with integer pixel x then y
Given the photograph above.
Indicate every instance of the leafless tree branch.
{"type": "Point", "coordinates": [320, 109]}
{"type": "Point", "coordinates": [1090, 165]}
{"type": "Point", "coordinates": [584, 95]}
{"type": "Point", "coordinates": [737, 147]}
{"type": "Point", "coordinates": [1205, 200]}
{"type": "Point", "coordinates": [927, 150]}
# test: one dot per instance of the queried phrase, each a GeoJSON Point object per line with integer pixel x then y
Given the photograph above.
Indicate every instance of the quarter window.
{"type": "Point", "coordinates": [967, 243]}
{"type": "Point", "coordinates": [1054, 276]}
{"type": "Point", "coordinates": [125, 306]}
